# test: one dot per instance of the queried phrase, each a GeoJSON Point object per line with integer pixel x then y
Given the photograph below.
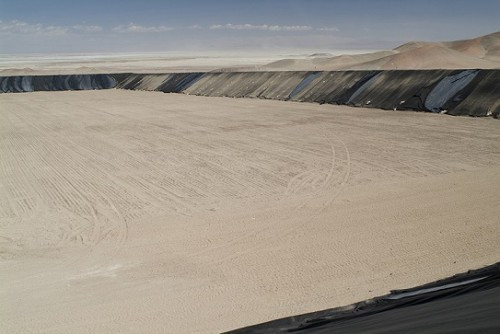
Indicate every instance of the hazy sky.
{"type": "Point", "coordinates": [44, 26]}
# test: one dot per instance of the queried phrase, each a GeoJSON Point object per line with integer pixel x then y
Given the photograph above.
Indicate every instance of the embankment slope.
{"type": "Point", "coordinates": [455, 92]}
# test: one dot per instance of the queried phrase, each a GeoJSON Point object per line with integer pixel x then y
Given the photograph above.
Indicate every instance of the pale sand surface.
{"type": "Point", "coordinates": [130, 211]}
{"type": "Point", "coordinates": [49, 64]}
{"type": "Point", "coordinates": [123, 62]}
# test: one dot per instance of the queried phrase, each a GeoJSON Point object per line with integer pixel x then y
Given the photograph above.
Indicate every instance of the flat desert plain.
{"type": "Point", "coordinates": [130, 211]}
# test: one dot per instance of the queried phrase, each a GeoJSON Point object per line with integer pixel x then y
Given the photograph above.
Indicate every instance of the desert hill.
{"type": "Point", "coordinates": [480, 52]}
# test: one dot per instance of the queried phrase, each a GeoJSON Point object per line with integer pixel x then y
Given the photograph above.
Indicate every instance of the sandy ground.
{"type": "Point", "coordinates": [145, 62]}
{"type": "Point", "coordinates": [122, 62]}
{"type": "Point", "coordinates": [140, 212]}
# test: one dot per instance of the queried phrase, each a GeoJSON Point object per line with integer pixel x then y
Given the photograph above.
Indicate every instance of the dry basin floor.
{"type": "Point", "coordinates": [128, 211]}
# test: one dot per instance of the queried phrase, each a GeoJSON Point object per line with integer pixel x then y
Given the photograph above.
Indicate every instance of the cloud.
{"type": "Point", "coordinates": [86, 29]}
{"type": "Point", "coordinates": [131, 27]}
{"type": "Point", "coordinates": [328, 29]}
{"type": "Point", "coordinates": [16, 27]}
{"type": "Point", "coordinates": [265, 27]}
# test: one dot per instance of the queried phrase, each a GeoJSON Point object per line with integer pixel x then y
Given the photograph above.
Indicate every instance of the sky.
{"type": "Point", "coordinates": [102, 26]}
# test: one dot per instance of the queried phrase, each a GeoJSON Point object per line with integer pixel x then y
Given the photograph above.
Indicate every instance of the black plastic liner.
{"type": "Point", "coordinates": [266, 85]}
{"type": "Point", "coordinates": [281, 85]}
{"type": "Point", "coordinates": [447, 88]}
{"type": "Point", "coordinates": [179, 83]}
{"type": "Point", "coordinates": [304, 83]}
{"type": "Point", "coordinates": [128, 81]}
{"type": "Point", "coordinates": [464, 303]}
{"type": "Point", "coordinates": [167, 83]}
{"type": "Point", "coordinates": [389, 89]}
{"type": "Point", "coordinates": [359, 87]}
{"type": "Point", "coordinates": [327, 87]}
{"type": "Point", "coordinates": [455, 92]}
{"type": "Point", "coordinates": [482, 96]}
{"type": "Point", "coordinates": [20, 84]}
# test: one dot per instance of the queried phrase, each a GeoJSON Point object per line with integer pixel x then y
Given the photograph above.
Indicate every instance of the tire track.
{"type": "Point", "coordinates": [65, 192]}
{"type": "Point", "coordinates": [331, 184]}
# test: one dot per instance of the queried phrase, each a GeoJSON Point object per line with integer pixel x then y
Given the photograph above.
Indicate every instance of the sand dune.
{"type": "Point", "coordinates": [132, 211]}
{"type": "Point", "coordinates": [481, 52]}
{"type": "Point", "coordinates": [427, 56]}
{"type": "Point", "coordinates": [485, 47]}
{"type": "Point", "coordinates": [326, 63]}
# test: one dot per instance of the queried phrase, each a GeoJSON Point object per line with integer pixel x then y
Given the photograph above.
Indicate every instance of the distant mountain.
{"type": "Point", "coordinates": [480, 52]}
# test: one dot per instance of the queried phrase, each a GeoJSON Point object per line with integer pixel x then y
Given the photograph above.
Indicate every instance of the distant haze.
{"type": "Point", "coordinates": [59, 26]}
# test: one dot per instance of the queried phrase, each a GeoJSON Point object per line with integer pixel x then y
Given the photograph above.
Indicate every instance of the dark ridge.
{"type": "Point", "coordinates": [455, 92]}
{"type": "Point", "coordinates": [464, 303]}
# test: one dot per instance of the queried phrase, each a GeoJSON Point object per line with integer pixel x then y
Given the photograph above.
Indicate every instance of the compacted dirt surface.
{"type": "Point", "coordinates": [133, 211]}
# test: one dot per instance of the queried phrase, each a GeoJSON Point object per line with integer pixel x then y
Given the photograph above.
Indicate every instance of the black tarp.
{"type": "Point", "coordinates": [483, 98]}
{"type": "Point", "coordinates": [280, 85]}
{"type": "Point", "coordinates": [304, 83]}
{"type": "Point", "coordinates": [266, 85]}
{"type": "Point", "coordinates": [178, 82]}
{"type": "Point", "coordinates": [390, 89]}
{"type": "Point", "coordinates": [355, 90]}
{"type": "Point", "coordinates": [358, 90]}
{"type": "Point", "coordinates": [330, 87]}
{"type": "Point", "coordinates": [464, 303]}
{"type": "Point", "coordinates": [128, 81]}
{"type": "Point", "coordinates": [447, 89]}
{"type": "Point", "coordinates": [19, 84]}
{"type": "Point", "coordinates": [459, 92]}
